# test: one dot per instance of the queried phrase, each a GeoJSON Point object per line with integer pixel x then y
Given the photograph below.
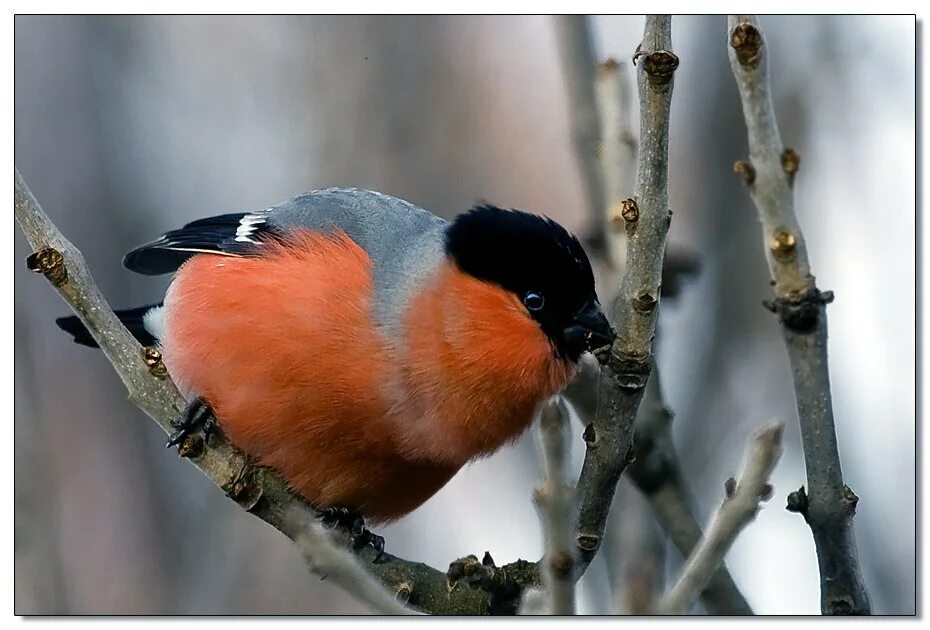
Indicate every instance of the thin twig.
{"type": "Point", "coordinates": [828, 505]}
{"type": "Point", "coordinates": [533, 602]}
{"type": "Point", "coordinates": [613, 93]}
{"type": "Point", "coordinates": [329, 560]}
{"type": "Point", "coordinates": [739, 508]}
{"type": "Point", "coordinates": [555, 501]}
{"type": "Point", "coordinates": [634, 549]}
{"type": "Point", "coordinates": [626, 367]}
{"type": "Point", "coordinates": [657, 473]}
{"type": "Point", "coordinates": [64, 266]}
{"type": "Point", "coordinates": [576, 52]}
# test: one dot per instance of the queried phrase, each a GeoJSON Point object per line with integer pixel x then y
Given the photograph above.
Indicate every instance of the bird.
{"type": "Point", "coordinates": [363, 347]}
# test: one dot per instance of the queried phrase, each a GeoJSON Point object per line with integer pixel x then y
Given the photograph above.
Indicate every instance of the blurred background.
{"type": "Point", "coordinates": [128, 126]}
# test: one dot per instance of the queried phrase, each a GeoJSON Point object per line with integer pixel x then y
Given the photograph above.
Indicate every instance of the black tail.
{"type": "Point", "coordinates": [131, 318]}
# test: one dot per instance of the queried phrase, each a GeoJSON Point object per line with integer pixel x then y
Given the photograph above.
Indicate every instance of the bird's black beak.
{"type": "Point", "coordinates": [589, 329]}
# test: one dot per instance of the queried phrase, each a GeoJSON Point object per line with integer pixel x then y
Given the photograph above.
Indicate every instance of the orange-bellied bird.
{"type": "Point", "coordinates": [363, 347]}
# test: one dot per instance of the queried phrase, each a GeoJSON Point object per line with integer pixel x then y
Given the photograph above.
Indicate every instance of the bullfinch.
{"type": "Point", "coordinates": [365, 348]}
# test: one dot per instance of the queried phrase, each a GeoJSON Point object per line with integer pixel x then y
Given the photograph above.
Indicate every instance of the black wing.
{"type": "Point", "coordinates": [230, 234]}
{"type": "Point", "coordinates": [132, 318]}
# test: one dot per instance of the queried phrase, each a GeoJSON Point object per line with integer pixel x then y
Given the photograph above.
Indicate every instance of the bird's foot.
{"type": "Point", "coordinates": [366, 538]}
{"type": "Point", "coordinates": [352, 521]}
{"type": "Point", "coordinates": [196, 417]}
{"type": "Point", "coordinates": [338, 517]}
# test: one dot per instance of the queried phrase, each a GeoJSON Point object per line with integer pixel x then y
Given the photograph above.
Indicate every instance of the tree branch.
{"type": "Point", "coordinates": [327, 559]}
{"type": "Point", "coordinates": [827, 505]}
{"type": "Point", "coordinates": [576, 51]}
{"type": "Point", "coordinates": [555, 501]}
{"type": "Point", "coordinates": [657, 473]}
{"type": "Point", "coordinates": [738, 509]}
{"type": "Point", "coordinates": [626, 367]}
{"type": "Point", "coordinates": [613, 93]}
{"type": "Point", "coordinates": [656, 462]}
{"type": "Point", "coordinates": [655, 470]}
{"type": "Point", "coordinates": [533, 602]}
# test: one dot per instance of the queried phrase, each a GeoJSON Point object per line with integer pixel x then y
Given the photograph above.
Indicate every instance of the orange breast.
{"type": "Point", "coordinates": [476, 364]}
{"type": "Point", "coordinates": [285, 349]}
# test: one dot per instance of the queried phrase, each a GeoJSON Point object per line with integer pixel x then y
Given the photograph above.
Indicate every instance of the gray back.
{"type": "Point", "coordinates": [404, 242]}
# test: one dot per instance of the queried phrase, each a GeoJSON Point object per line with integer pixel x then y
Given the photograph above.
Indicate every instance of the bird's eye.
{"type": "Point", "coordinates": [534, 301]}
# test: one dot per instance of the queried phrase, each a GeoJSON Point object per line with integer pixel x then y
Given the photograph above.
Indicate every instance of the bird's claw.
{"type": "Point", "coordinates": [196, 416]}
{"type": "Point", "coordinates": [365, 538]}
{"type": "Point", "coordinates": [353, 522]}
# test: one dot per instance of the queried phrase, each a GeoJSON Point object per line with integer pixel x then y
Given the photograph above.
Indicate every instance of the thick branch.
{"type": "Point", "coordinates": [655, 470]}
{"type": "Point", "coordinates": [257, 490]}
{"type": "Point", "coordinates": [828, 505]}
{"type": "Point", "coordinates": [555, 500]}
{"type": "Point", "coordinates": [626, 367]}
{"type": "Point", "coordinates": [738, 509]}
{"type": "Point", "coordinates": [576, 52]}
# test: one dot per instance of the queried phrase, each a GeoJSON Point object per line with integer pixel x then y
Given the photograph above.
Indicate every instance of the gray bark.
{"type": "Point", "coordinates": [827, 504]}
